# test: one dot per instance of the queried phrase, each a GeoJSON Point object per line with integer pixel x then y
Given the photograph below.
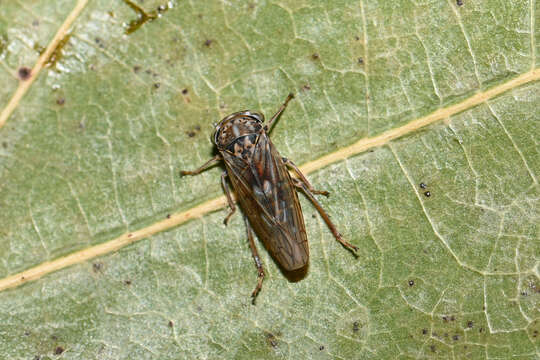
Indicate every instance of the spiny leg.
{"type": "Point", "coordinates": [290, 164]}
{"type": "Point", "coordinates": [281, 109]}
{"type": "Point", "coordinates": [258, 262]}
{"type": "Point", "coordinates": [203, 167]}
{"type": "Point", "coordinates": [229, 198]}
{"type": "Point", "coordinates": [298, 183]}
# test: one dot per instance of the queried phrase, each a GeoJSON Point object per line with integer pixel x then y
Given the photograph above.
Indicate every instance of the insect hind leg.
{"type": "Point", "coordinates": [258, 262]}
{"type": "Point", "coordinates": [301, 185]}
{"type": "Point", "coordinates": [292, 165]}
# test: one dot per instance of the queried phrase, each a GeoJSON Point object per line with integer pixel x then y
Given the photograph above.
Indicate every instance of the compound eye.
{"type": "Point", "coordinates": [216, 135]}
{"type": "Point", "coordinates": [257, 116]}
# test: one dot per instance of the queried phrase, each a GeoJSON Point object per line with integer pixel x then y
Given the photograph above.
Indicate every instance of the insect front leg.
{"type": "Point", "coordinates": [258, 262]}
{"type": "Point", "coordinates": [281, 109]}
{"type": "Point", "coordinates": [290, 164]}
{"type": "Point", "coordinates": [229, 198]}
{"type": "Point", "coordinates": [203, 167]}
{"type": "Point", "coordinates": [300, 184]}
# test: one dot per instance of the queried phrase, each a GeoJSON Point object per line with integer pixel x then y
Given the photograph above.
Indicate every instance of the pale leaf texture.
{"type": "Point", "coordinates": [94, 148]}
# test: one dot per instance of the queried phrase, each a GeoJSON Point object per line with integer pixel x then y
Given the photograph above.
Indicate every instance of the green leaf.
{"type": "Point", "coordinates": [93, 142]}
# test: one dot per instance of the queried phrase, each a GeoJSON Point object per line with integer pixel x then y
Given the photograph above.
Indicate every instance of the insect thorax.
{"type": "Point", "coordinates": [239, 135]}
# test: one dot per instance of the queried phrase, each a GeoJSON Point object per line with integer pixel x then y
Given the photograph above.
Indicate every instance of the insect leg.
{"type": "Point", "coordinates": [229, 198]}
{"type": "Point", "coordinates": [299, 184]}
{"type": "Point", "coordinates": [203, 167]}
{"type": "Point", "coordinates": [276, 115]}
{"type": "Point", "coordinates": [290, 164]}
{"type": "Point", "coordinates": [258, 262]}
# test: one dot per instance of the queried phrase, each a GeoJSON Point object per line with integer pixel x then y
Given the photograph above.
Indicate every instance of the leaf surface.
{"type": "Point", "coordinates": [90, 153]}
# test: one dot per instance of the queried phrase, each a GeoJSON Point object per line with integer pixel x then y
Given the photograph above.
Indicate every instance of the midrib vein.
{"type": "Point", "coordinates": [220, 202]}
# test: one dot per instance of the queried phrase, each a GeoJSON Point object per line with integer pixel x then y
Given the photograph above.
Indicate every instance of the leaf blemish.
{"type": "Point", "coordinates": [24, 73]}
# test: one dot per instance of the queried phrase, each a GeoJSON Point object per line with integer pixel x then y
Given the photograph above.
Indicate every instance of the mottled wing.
{"type": "Point", "coordinates": [268, 197]}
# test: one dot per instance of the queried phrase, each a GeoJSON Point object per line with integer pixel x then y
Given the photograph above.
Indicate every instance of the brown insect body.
{"type": "Point", "coordinates": [264, 187]}
{"type": "Point", "coordinates": [265, 190]}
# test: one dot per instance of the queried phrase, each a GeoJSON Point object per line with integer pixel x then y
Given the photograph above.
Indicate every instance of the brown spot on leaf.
{"type": "Point", "coordinates": [271, 339]}
{"type": "Point", "coordinates": [58, 350]}
{"type": "Point", "coordinates": [24, 73]}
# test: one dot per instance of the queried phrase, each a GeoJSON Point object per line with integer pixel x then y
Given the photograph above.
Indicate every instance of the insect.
{"type": "Point", "coordinates": [265, 190]}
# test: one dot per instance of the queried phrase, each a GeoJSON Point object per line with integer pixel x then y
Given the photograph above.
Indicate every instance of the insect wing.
{"type": "Point", "coordinates": [267, 195]}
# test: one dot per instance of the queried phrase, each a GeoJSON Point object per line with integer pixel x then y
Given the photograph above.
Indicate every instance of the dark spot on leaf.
{"type": "Point", "coordinates": [356, 326]}
{"type": "Point", "coordinates": [432, 348]}
{"type": "Point", "coordinates": [452, 318]}
{"type": "Point", "coordinates": [27, 333]}
{"type": "Point", "coordinates": [455, 337]}
{"type": "Point", "coordinates": [97, 267]}
{"type": "Point", "coordinates": [129, 235]}
{"type": "Point", "coordinates": [481, 330]}
{"type": "Point", "coordinates": [411, 282]}
{"type": "Point", "coordinates": [321, 348]}
{"type": "Point", "coordinates": [127, 282]}
{"type": "Point", "coordinates": [470, 324]}
{"type": "Point", "coordinates": [360, 60]}
{"type": "Point", "coordinates": [208, 42]}
{"type": "Point", "coordinates": [427, 194]}
{"type": "Point", "coordinates": [185, 91]}
{"type": "Point", "coordinates": [4, 144]}
{"type": "Point", "coordinates": [197, 128]}
{"type": "Point", "coordinates": [422, 185]}
{"type": "Point", "coordinates": [99, 42]}
{"type": "Point", "coordinates": [54, 337]}
{"type": "Point", "coordinates": [168, 216]}
{"type": "Point", "coordinates": [162, 8]}
{"type": "Point", "coordinates": [24, 73]}
{"type": "Point", "coordinates": [171, 324]}
{"type": "Point", "coordinates": [424, 331]}
{"type": "Point", "coordinates": [37, 357]}
{"type": "Point", "coordinates": [136, 68]}
{"type": "Point", "coordinates": [271, 339]}
{"type": "Point", "coordinates": [60, 101]}
{"type": "Point", "coordinates": [58, 350]}
{"type": "Point", "coordinates": [315, 56]}
{"type": "Point", "coordinates": [157, 85]}
{"type": "Point", "coordinates": [535, 333]}
{"type": "Point", "coordinates": [445, 318]}
{"type": "Point", "coordinates": [459, 2]}
{"type": "Point", "coordinates": [191, 133]}
{"type": "Point", "coordinates": [306, 87]}
{"type": "Point", "coordinates": [357, 38]}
